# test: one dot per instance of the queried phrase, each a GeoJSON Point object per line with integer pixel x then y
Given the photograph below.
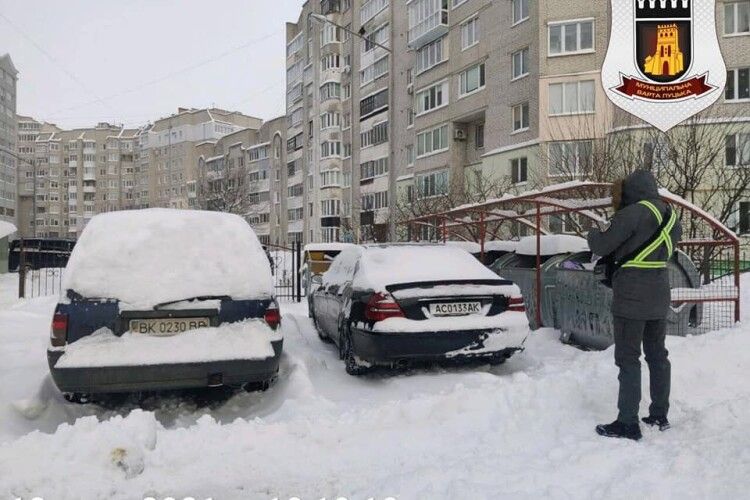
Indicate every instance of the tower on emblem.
{"type": "Point", "coordinates": [668, 59]}
{"type": "Point", "coordinates": [663, 39]}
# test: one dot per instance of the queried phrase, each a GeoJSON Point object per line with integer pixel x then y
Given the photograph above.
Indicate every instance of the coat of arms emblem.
{"type": "Point", "coordinates": [663, 64]}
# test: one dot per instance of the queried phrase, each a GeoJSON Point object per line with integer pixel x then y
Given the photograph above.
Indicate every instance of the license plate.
{"type": "Point", "coordinates": [455, 308]}
{"type": "Point", "coordinates": [163, 327]}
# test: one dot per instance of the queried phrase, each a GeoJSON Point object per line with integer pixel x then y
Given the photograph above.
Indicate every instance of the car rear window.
{"type": "Point", "coordinates": [147, 257]}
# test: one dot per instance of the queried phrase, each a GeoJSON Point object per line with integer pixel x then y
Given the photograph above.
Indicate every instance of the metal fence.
{"type": "Point", "coordinates": [286, 262]}
{"type": "Point", "coordinates": [40, 264]}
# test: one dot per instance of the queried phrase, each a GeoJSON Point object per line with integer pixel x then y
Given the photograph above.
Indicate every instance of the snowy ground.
{"type": "Point", "coordinates": [521, 430]}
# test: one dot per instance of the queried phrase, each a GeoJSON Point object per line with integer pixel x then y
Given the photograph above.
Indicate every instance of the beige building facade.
{"type": "Point", "coordinates": [8, 136]}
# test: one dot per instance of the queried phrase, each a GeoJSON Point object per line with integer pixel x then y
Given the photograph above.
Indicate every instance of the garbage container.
{"type": "Point", "coordinates": [584, 304]}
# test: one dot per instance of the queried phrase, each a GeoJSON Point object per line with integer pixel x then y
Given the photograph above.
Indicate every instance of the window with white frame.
{"type": "Point", "coordinates": [331, 119]}
{"type": "Point", "coordinates": [471, 80]}
{"type": "Point", "coordinates": [519, 173]}
{"type": "Point", "coordinates": [330, 149]}
{"type": "Point", "coordinates": [329, 234]}
{"type": "Point", "coordinates": [370, 9]}
{"type": "Point", "coordinates": [378, 134]}
{"type": "Point", "coordinates": [347, 150]}
{"type": "Point", "coordinates": [330, 61]}
{"type": "Point", "coordinates": [570, 37]}
{"type": "Point", "coordinates": [432, 184]}
{"type": "Point", "coordinates": [569, 158]}
{"type": "Point", "coordinates": [373, 104]}
{"type": "Point", "coordinates": [431, 98]}
{"type": "Point", "coordinates": [737, 150]}
{"type": "Point", "coordinates": [738, 84]}
{"type": "Point", "coordinates": [410, 155]}
{"type": "Point", "coordinates": [736, 18]}
{"type": "Point", "coordinates": [571, 97]}
{"type": "Point", "coordinates": [295, 45]}
{"type": "Point", "coordinates": [330, 90]}
{"type": "Point", "coordinates": [330, 178]}
{"type": "Point", "coordinates": [379, 36]}
{"type": "Point", "coordinates": [374, 71]}
{"type": "Point", "coordinates": [374, 201]}
{"type": "Point", "coordinates": [329, 33]}
{"type": "Point", "coordinates": [470, 32]}
{"type": "Point", "coordinates": [432, 141]}
{"type": "Point", "coordinates": [431, 55]}
{"type": "Point", "coordinates": [373, 168]}
{"type": "Point", "coordinates": [520, 10]}
{"type": "Point", "coordinates": [520, 63]}
{"type": "Point", "coordinates": [520, 117]}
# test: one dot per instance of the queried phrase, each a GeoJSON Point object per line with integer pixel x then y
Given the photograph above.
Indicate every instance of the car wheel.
{"type": "Point", "coordinates": [77, 398]}
{"type": "Point", "coordinates": [257, 386]}
{"type": "Point", "coordinates": [353, 365]}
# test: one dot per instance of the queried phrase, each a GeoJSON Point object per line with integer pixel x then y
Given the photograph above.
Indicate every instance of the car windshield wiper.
{"type": "Point", "coordinates": [199, 297]}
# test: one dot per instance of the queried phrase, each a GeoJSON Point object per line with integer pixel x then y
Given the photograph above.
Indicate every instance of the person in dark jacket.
{"type": "Point", "coordinates": [641, 239]}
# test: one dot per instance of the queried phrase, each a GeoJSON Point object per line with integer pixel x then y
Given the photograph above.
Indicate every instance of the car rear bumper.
{"type": "Point", "coordinates": [393, 347]}
{"type": "Point", "coordinates": [159, 377]}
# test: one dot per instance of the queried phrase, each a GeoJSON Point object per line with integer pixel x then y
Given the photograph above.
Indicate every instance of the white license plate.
{"type": "Point", "coordinates": [163, 327]}
{"type": "Point", "coordinates": [455, 308]}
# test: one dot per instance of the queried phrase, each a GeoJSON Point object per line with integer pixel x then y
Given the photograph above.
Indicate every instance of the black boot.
{"type": "Point", "coordinates": [662, 422]}
{"type": "Point", "coordinates": [619, 430]}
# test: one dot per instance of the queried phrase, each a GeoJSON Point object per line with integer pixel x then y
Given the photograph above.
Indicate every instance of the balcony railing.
{"type": "Point", "coordinates": [427, 28]}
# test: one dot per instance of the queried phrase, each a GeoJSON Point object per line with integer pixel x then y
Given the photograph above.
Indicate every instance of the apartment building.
{"type": "Point", "coordinates": [253, 162]}
{"type": "Point", "coordinates": [8, 132]}
{"type": "Point", "coordinates": [168, 152]}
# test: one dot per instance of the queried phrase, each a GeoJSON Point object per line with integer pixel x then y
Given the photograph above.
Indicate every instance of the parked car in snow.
{"type": "Point", "coordinates": [165, 299]}
{"type": "Point", "coordinates": [393, 304]}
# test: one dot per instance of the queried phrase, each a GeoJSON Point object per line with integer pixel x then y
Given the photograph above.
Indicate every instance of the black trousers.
{"type": "Point", "coordinates": [629, 334]}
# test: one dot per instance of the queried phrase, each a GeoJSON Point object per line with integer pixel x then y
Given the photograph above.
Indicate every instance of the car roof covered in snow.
{"type": "Point", "coordinates": [469, 246]}
{"type": "Point", "coordinates": [147, 257]}
{"type": "Point", "coordinates": [385, 265]}
{"type": "Point", "coordinates": [552, 244]}
{"type": "Point", "coordinates": [501, 246]}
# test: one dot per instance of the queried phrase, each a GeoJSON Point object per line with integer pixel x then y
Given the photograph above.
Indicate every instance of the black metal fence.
{"type": "Point", "coordinates": [40, 263]}
{"type": "Point", "coordinates": [286, 262]}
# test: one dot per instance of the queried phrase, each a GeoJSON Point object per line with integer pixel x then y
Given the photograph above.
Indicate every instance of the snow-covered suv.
{"type": "Point", "coordinates": [165, 299]}
{"type": "Point", "coordinates": [392, 304]}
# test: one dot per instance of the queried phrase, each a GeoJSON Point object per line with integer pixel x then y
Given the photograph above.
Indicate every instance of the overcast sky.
{"type": "Point", "coordinates": [131, 61]}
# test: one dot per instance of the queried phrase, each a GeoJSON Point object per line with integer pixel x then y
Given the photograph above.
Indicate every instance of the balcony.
{"type": "Point", "coordinates": [428, 21]}
{"type": "Point", "coordinates": [89, 189]}
{"type": "Point", "coordinates": [72, 188]}
{"type": "Point", "coordinates": [330, 7]}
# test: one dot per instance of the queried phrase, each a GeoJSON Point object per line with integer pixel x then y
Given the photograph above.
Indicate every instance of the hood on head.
{"type": "Point", "coordinates": [640, 185]}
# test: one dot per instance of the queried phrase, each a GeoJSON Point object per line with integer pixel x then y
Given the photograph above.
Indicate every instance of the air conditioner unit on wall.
{"type": "Point", "coordinates": [459, 134]}
{"type": "Point", "coordinates": [410, 89]}
{"type": "Point", "coordinates": [347, 69]}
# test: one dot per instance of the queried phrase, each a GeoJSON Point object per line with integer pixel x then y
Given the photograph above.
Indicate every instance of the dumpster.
{"type": "Point", "coordinates": [520, 267]}
{"type": "Point", "coordinates": [583, 304]}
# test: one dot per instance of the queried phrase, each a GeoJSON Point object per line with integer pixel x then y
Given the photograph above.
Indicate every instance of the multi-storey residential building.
{"type": "Point", "coordinates": [169, 152]}
{"type": "Point", "coordinates": [8, 154]}
{"type": "Point", "coordinates": [253, 163]}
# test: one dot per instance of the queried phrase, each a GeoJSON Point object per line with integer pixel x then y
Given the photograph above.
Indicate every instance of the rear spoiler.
{"type": "Point", "coordinates": [428, 284]}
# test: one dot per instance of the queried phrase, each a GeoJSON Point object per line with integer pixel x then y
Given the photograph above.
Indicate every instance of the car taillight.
{"type": "Point", "coordinates": [382, 306]}
{"type": "Point", "coordinates": [516, 304]}
{"type": "Point", "coordinates": [272, 316]}
{"type": "Point", "coordinates": [59, 333]}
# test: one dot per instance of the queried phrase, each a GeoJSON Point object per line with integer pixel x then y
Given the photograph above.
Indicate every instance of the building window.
{"type": "Point", "coordinates": [329, 33]}
{"type": "Point", "coordinates": [519, 170]}
{"type": "Point", "coordinates": [569, 158]}
{"type": "Point", "coordinates": [431, 55]}
{"type": "Point", "coordinates": [471, 80]}
{"type": "Point", "coordinates": [470, 33]}
{"type": "Point", "coordinates": [370, 9]}
{"type": "Point", "coordinates": [736, 18]}
{"type": "Point", "coordinates": [479, 136]}
{"type": "Point", "coordinates": [431, 98]}
{"type": "Point", "coordinates": [738, 150]}
{"type": "Point", "coordinates": [371, 169]}
{"type": "Point", "coordinates": [571, 37]}
{"type": "Point", "coordinates": [330, 149]}
{"type": "Point", "coordinates": [410, 155]}
{"type": "Point", "coordinates": [373, 104]}
{"type": "Point", "coordinates": [520, 10]}
{"type": "Point", "coordinates": [330, 90]}
{"type": "Point", "coordinates": [432, 141]}
{"type": "Point", "coordinates": [330, 178]}
{"type": "Point", "coordinates": [379, 36]}
{"type": "Point", "coordinates": [330, 120]}
{"type": "Point", "coordinates": [374, 71]}
{"type": "Point", "coordinates": [378, 134]}
{"type": "Point", "coordinates": [374, 201]}
{"type": "Point", "coordinates": [738, 84]}
{"type": "Point", "coordinates": [330, 61]}
{"type": "Point", "coordinates": [520, 63]}
{"type": "Point", "coordinates": [521, 117]}
{"type": "Point", "coordinates": [571, 97]}
{"type": "Point", "coordinates": [432, 184]}
{"type": "Point", "coordinates": [744, 216]}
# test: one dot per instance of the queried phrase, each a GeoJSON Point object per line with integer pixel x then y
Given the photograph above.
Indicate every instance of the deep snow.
{"type": "Point", "coordinates": [520, 430]}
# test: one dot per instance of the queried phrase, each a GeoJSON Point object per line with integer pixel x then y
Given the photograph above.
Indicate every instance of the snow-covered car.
{"type": "Point", "coordinates": [394, 304]}
{"type": "Point", "coordinates": [165, 299]}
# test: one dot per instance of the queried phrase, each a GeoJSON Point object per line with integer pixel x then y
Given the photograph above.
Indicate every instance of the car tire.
{"type": "Point", "coordinates": [261, 386]}
{"type": "Point", "coordinates": [352, 364]}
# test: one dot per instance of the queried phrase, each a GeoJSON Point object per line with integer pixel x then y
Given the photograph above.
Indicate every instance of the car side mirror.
{"type": "Point", "coordinates": [317, 279]}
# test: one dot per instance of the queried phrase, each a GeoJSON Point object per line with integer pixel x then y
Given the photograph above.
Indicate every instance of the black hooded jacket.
{"type": "Point", "coordinates": [637, 293]}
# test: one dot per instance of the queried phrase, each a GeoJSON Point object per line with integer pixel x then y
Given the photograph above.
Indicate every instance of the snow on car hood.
{"type": "Point", "coordinates": [147, 257]}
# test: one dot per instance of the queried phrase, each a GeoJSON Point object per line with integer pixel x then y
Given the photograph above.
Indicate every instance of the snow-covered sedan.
{"type": "Point", "coordinates": [165, 299]}
{"type": "Point", "coordinates": [394, 304]}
